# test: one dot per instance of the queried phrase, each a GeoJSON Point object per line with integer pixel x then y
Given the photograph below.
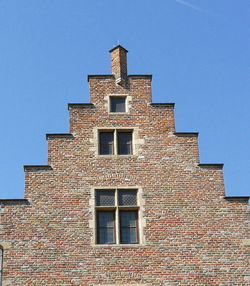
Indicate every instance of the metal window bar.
{"type": "Point", "coordinates": [105, 198]}
{"type": "Point", "coordinates": [127, 197]}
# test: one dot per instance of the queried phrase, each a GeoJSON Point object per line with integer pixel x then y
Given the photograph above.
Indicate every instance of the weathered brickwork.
{"type": "Point", "coordinates": [190, 234]}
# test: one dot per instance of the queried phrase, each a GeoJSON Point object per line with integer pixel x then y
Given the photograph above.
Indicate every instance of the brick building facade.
{"type": "Point", "coordinates": [124, 200]}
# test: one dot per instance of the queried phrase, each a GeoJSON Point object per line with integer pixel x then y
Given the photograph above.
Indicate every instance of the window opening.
{"type": "Point", "coordinates": [124, 143]}
{"type": "Point", "coordinates": [127, 198]}
{"type": "Point", "coordinates": [105, 198]}
{"type": "Point", "coordinates": [128, 226]}
{"type": "Point", "coordinates": [117, 216]}
{"type": "Point", "coordinates": [115, 142]}
{"type": "Point", "coordinates": [106, 143]}
{"type": "Point", "coordinates": [105, 227]}
{"type": "Point", "coordinates": [117, 104]}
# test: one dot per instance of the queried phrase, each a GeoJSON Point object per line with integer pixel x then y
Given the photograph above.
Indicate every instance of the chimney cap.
{"type": "Point", "coordinates": [116, 47]}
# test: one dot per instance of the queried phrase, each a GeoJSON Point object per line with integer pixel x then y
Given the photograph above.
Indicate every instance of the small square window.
{"type": "Point", "coordinates": [117, 104]}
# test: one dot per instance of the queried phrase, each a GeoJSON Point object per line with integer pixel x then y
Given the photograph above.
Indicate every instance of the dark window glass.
{"type": "Point", "coordinates": [127, 197]}
{"type": "Point", "coordinates": [105, 198]}
{"type": "Point", "coordinates": [128, 227]}
{"type": "Point", "coordinates": [124, 143]}
{"type": "Point", "coordinates": [1, 265]}
{"type": "Point", "coordinates": [118, 104]}
{"type": "Point", "coordinates": [106, 227]}
{"type": "Point", "coordinates": [106, 143]}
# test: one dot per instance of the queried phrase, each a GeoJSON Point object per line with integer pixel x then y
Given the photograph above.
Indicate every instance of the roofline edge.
{"type": "Point", "coordinates": [34, 168]}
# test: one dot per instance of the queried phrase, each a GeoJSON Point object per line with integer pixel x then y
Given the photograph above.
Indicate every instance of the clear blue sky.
{"type": "Point", "coordinates": [197, 51]}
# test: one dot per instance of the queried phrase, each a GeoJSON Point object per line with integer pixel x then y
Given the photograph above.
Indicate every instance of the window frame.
{"type": "Point", "coordinates": [136, 226]}
{"type": "Point", "coordinates": [119, 143]}
{"type": "Point", "coordinates": [116, 144]}
{"type": "Point", "coordinates": [117, 209]}
{"type": "Point", "coordinates": [127, 99]}
{"type": "Point", "coordinates": [100, 142]}
{"type": "Point", "coordinates": [98, 226]}
{"type": "Point", "coordinates": [125, 104]}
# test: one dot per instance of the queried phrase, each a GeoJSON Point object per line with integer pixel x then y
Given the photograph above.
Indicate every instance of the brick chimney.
{"type": "Point", "coordinates": [119, 64]}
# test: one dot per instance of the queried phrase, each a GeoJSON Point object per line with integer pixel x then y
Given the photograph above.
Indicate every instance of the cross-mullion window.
{"type": "Point", "coordinates": [115, 142]}
{"type": "Point", "coordinates": [117, 216]}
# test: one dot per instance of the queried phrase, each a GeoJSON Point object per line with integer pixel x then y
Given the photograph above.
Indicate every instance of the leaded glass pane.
{"type": "Point", "coordinates": [105, 198]}
{"type": "Point", "coordinates": [128, 218]}
{"type": "Point", "coordinates": [118, 104]}
{"type": "Point", "coordinates": [106, 143]}
{"type": "Point", "coordinates": [106, 227]}
{"type": "Point", "coordinates": [127, 197]}
{"type": "Point", "coordinates": [106, 235]}
{"type": "Point", "coordinates": [128, 224]}
{"type": "Point", "coordinates": [106, 219]}
{"type": "Point", "coordinates": [124, 149]}
{"type": "Point", "coordinates": [128, 235]}
{"type": "Point", "coordinates": [124, 143]}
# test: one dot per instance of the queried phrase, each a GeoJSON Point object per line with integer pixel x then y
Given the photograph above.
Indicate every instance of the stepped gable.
{"type": "Point", "coordinates": [123, 200]}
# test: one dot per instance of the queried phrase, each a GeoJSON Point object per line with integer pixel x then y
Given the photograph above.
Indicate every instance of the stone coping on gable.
{"type": "Point", "coordinates": [110, 76]}
{"type": "Point", "coordinates": [211, 166]}
{"type": "Point", "coordinates": [34, 168]}
{"type": "Point", "coordinates": [246, 198]}
{"type": "Point", "coordinates": [12, 202]}
{"type": "Point", "coordinates": [186, 134]}
{"type": "Point", "coordinates": [59, 136]}
{"type": "Point", "coordinates": [156, 104]}
{"type": "Point", "coordinates": [100, 76]}
{"type": "Point", "coordinates": [81, 105]}
{"type": "Point", "coordinates": [140, 76]}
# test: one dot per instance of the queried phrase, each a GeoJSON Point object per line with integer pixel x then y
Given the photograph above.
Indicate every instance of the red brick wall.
{"type": "Point", "coordinates": [193, 236]}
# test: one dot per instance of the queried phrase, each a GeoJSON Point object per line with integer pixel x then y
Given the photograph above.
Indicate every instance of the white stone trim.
{"type": "Point", "coordinates": [127, 103]}
{"type": "Point", "coordinates": [141, 219]}
{"type": "Point", "coordinates": [136, 141]}
{"type": "Point", "coordinates": [5, 244]}
{"type": "Point", "coordinates": [119, 285]}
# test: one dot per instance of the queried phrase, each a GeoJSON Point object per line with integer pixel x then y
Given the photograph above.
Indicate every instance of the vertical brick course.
{"type": "Point", "coordinates": [192, 235]}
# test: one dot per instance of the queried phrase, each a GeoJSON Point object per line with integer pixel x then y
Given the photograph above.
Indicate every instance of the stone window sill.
{"type": "Point", "coordinates": [118, 245]}
{"type": "Point", "coordinates": [117, 156]}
